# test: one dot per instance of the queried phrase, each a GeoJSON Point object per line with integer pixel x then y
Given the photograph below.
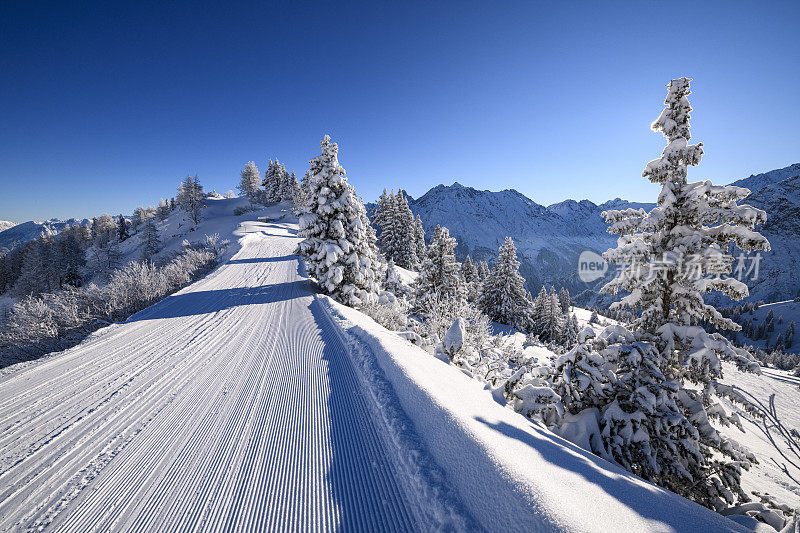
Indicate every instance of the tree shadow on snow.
{"type": "Point", "coordinates": [204, 302]}
{"type": "Point", "coordinates": [277, 259]}
{"type": "Point", "coordinates": [645, 499]}
{"type": "Point", "coordinates": [361, 475]}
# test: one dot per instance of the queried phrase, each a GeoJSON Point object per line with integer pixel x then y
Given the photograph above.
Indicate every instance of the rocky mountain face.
{"type": "Point", "coordinates": [550, 239]}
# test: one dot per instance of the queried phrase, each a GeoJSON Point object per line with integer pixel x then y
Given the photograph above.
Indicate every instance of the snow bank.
{"type": "Point", "coordinates": [509, 472]}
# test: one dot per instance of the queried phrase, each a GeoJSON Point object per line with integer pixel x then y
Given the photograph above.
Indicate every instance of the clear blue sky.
{"type": "Point", "coordinates": [106, 105]}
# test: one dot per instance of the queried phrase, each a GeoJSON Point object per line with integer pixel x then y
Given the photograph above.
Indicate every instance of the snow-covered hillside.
{"type": "Point", "coordinates": [783, 313]}
{"type": "Point", "coordinates": [5, 224]}
{"type": "Point", "coordinates": [778, 277]}
{"type": "Point", "coordinates": [247, 401]}
{"type": "Point", "coordinates": [772, 437]}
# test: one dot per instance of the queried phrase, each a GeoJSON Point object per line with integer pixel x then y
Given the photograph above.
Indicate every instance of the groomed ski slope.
{"type": "Point", "coordinates": [247, 402]}
{"type": "Point", "coordinates": [231, 405]}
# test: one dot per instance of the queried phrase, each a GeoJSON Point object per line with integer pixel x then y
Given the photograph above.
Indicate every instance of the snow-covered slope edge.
{"type": "Point", "coordinates": [506, 469]}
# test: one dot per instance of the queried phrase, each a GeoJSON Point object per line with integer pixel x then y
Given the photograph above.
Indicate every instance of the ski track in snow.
{"type": "Point", "coordinates": [230, 405]}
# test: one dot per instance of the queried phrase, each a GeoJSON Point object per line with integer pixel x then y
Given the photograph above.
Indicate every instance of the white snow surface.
{"type": "Point", "coordinates": [770, 438]}
{"type": "Point", "coordinates": [246, 401]}
{"type": "Point", "coordinates": [511, 473]}
{"type": "Point", "coordinates": [230, 405]}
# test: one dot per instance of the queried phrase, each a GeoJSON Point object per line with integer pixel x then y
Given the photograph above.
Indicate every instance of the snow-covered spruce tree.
{"type": "Point", "coordinates": [546, 317]}
{"type": "Point", "coordinates": [677, 252]}
{"type": "Point", "coordinates": [249, 181]}
{"type": "Point", "coordinates": [670, 257]}
{"type": "Point", "coordinates": [162, 211]}
{"type": "Point", "coordinates": [564, 299]}
{"type": "Point", "coordinates": [272, 181]}
{"type": "Point", "coordinates": [292, 188]}
{"type": "Point", "coordinates": [393, 281]}
{"type": "Point", "coordinates": [483, 270]}
{"type": "Point", "coordinates": [405, 234]}
{"type": "Point", "coordinates": [151, 243]}
{"type": "Point", "coordinates": [468, 270]}
{"type": "Point", "coordinates": [386, 221]}
{"type": "Point", "coordinates": [191, 198]}
{"type": "Point", "coordinates": [338, 243]}
{"type": "Point", "coordinates": [122, 228]}
{"type": "Point", "coordinates": [419, 239]}
{"type": "Point", "coordinates": [439, 279]}
{"type": "Point", "coordinates": [285, 185]}
{"type": "Point", "coordinates": [504, 298]}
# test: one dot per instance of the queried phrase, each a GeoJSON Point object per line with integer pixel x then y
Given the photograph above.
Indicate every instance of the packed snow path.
{"type": "Point", "coordinates": [230, 405]}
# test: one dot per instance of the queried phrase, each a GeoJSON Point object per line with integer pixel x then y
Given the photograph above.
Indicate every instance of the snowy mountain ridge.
{"type": "Point", "coordinates": [550, 239]}
{"type": "Point", "coordinates": [17, 234]}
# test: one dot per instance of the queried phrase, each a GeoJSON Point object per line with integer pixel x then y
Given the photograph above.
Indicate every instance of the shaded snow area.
{"type": "Point", "coordinates": [246, 401]}
{"type": "Point", "coordinates": [774, 438]}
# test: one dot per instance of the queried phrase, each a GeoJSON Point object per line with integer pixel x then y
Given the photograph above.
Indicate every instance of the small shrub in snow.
{"type": "Point", "coordinates": [388, 311]}
{"type": "Point", "coordinates": [243, 209]}
{"type": "Point", "coordinates": [56, 321]}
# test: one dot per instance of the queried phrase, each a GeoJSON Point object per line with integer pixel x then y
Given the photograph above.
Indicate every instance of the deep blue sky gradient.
{"type": "Point", "coordinates": [106, 105]}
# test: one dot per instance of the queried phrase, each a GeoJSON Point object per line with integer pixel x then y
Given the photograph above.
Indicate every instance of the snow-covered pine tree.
{"type": "Point", "coordinates": [468, 270]}
{"type": "Point", "coordinates": [564, 299]}
{"type": "Point", "coordinates": [569, 336]}
{"type": "Point", "coordinates": [162, 211]}
{"type": "Point", "coordinates": [138, 218]}
{"type": "Point", "coordinates": [483, 270]}
{"type": "Point", "coordinates": [151, 243]}
{"type": "Point", "coordinates": [284, 186]}
{"type": "Point", "coordinates": [393, 283]}
{"type": "Point", "coordinates": [249, 182]}
{"type": "Point", "coordinates": [504, 298]}
{"type": "Point", "coordinates": [670, 257]}
{"type": "Point", "coordinates": [271, 183]}
{"type": "Point", "coordinates": [338, 243]}
{"type": "Point", "coordinates": [386, 220]}
{"type": "Point", "coordinates": [292, 188]}
{"type": "Point", "coordinates": [678, 251]}
{"type": "Point", "coordinates": [405, 234]}
{"type": "Point", "coordinates": [191, 198]}
{"type": "Point", "coordinates": [439, 280]}
{"type": "Point", "coordinates": [122, 228]}
{"type": "Point", "coordinates": [33, 279]}
{"type": "Point", "coordinates": [305, 187]}
{"type": "Point", "coordinates": [419, 239]}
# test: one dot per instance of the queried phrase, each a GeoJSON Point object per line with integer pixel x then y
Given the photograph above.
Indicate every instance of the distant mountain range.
{"type": "Point", "coordinates": [550, 239]}
{"type": "Point", "coordinates": [5, 224]}
{"type": "Point", "coordinates": [18, 234]}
